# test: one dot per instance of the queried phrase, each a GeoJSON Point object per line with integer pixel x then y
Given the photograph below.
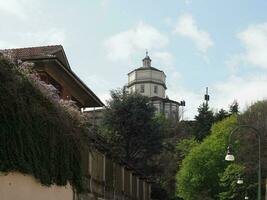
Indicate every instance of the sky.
{"type": "Point", "coordinates": [220, 44]}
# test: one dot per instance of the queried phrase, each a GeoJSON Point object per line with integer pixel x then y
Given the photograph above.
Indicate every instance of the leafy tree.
{"type": "Point", "coordinates": [228, 182]}
{"type": "Point", "coordinates": [184, 146]}
{"type": "Point", "coordinates": [171, 154]}
{"type": "Point", "coordinates": [132, 129]}
{"type": "Point", "coordinates": [255, 116]}
{"type": "Point", "coordinates": [199, 172]}
{"type": "Point", "coordinates": [219, 116]}
{"type": "Point", "coordinates": [204, 121]}
{"type": "Point", "coordinates": [234, 108]}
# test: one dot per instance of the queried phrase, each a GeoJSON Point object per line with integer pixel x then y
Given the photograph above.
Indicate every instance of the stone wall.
{"type": "Point", "coordinates": [107, 179]}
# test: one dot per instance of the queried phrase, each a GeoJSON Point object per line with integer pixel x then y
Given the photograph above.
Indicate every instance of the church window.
{"type": "Point", "coordinates": [156, 89]}
{"type": "Point", "coordinates": [142, 88]}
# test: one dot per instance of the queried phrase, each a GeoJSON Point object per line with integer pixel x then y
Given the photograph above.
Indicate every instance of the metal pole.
{"type": "Point", "coordinates": [259, 152]}
{"type": "Point", "coordinates": [259, 170]}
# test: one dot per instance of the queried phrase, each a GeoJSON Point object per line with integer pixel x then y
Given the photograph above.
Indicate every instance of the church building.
{"type": "Point", "coordinates": [151, 82]}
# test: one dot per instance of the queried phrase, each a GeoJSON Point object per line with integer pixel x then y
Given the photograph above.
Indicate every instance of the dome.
{"type": "Point", "coordinates": [148, 80]}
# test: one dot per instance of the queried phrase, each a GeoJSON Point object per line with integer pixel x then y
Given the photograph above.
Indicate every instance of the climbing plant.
{"type": "Point", "coordinates": [37, 135]}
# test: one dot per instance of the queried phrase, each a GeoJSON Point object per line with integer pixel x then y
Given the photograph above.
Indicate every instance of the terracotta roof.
{"type": "Point", "coordinates": [48, 52]}
{"type": "Point", "coordinates": [31, 53]}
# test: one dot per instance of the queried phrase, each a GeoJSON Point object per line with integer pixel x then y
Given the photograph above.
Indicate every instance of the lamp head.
{"type": "Point", "coordinates": [240, 181]}
{"type": "Point", "coordinates": [229, 156]}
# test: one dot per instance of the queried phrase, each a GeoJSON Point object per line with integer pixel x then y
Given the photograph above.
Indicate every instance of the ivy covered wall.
{"type": "Point", "coordinates": [37, 136]}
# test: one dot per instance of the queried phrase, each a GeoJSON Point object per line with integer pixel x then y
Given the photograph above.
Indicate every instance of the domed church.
{"type": "Point", "coordinates": [151, 82]}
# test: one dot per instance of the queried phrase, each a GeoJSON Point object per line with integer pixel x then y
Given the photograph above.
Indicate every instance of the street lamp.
{"type": "Point", "coordinates": [246, 196]}
{"type": "Point", "coordinates": [230, 157]}
{"type": "Point", "coordinates": [240, 181]}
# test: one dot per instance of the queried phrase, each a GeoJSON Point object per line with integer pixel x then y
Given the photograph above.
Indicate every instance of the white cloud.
{"type": "Point", "coordinates": [104, 3]}
{"type": "Point", "coordinates": [187, 27]}
{"type": "Point", "coordinates": [233, 63]}
{"type": "Point", "coordinates": [187, 2]}
{"type": "Point", "coordinates": [44, 37]}
{"type": "Point", "coordinates": [18, 8]}
{"type": "Point", "coordinates": [6, 45]}
{"type": "Point", "coordinates": [192, 98]}
{"type": "Point", "coordinates": [164, 59]}
{"type": "Point", "coordinates": [36, 38]}
{"type": "Point", "coordinates": [254, 39]}
{"type": "Point", "coordinates": [143, 36]}
{"type": "Point", "coordinates": [245, 90]}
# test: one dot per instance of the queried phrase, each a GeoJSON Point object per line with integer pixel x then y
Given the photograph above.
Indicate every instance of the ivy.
{"type": "Point", "coordinates": [37, 137]}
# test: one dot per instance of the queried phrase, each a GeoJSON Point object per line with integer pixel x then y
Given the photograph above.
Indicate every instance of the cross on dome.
{"type": "Point", "coordinates": [147, 60]}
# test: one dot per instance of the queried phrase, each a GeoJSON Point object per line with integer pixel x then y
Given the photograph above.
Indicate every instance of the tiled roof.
{"type": "Point", "coordinates": [41, 52]}
{"type": "Point", "coordinates": [33, 52]}
{"type": "Point", "coordinates": [47, 52]}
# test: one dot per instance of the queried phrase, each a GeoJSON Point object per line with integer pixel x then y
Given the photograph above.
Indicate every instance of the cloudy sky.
{"type": "Point", "coordinates": [221, 44]}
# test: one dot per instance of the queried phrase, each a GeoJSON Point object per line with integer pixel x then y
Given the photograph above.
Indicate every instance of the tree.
{"type": "Point", "coordinates": [204, 121]}
{"type": "Point", "coordinates": [234, 108]}
{"type": "Point", "coordinates": [172, 154]}
{"type": "Point", "coordinates": [255, 116]}
{"type": "Point", "coordinates": [199, 173]}
{"type": "Point", "coordinates": [219, 116]}
{"type": "Point", "coordinates": [228, 183]}
{"type": "Point", "coordinates": [132, 129]}
{"type": "Point", "coordinates": [184, 147]}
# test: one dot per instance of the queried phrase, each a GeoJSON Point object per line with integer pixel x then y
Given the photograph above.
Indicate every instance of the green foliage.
{"type": "Point", "coordinates": [185, 146]}
{"type": "Point", "coordinates": [228, 183]}
{"type": "Point", "coordinates": [198, 176]}
{"type": "Point", "coordinates": [222, 114]}
{"type": "Point", "coordinates": [256, 116]}
{"type": "Point", "coordinates": [131, 127]}
{"type": "Point", "coordinates": [204, 121]}
{"type": "Point", "coordinates": [36, 136]}
{"type": "Point", "coordinates": [234, 108]}
{"type": "Point", "coordinates": [165, 173]}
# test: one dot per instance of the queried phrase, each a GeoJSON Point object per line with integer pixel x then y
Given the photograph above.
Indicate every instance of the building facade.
{"type": "Point", "coordinates": [52, 65]}
{"type": "Point", "coordinates": [104, 177]}
{"type": "Point", "coordinates": [151, 82]}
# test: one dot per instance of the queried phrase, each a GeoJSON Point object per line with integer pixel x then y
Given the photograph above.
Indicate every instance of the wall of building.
{"type": "Point", "coordinates": [169, 109]}
{"type": "Point", "coordinates": [106, 179]}
{"type": "Point", "coordinates": [149, 89]}
{"type": "Point", "coordinates": [132, 76]}
{"type": "Point", "coordinates": [149, 78]}
{"type": "Point", "coordinates": [150, 75]}
{"type": "Point", "coordinates": [16, 186]}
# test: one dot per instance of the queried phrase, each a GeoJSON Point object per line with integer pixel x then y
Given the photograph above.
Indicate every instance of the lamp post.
{"type": "Point", "coordinates": [240, 181]}
{"type": "Point", "coordinates": [230, 157]}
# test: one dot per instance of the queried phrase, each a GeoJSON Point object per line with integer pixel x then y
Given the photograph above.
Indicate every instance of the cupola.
{"type": "Point", "coordinates": [147, 61]}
